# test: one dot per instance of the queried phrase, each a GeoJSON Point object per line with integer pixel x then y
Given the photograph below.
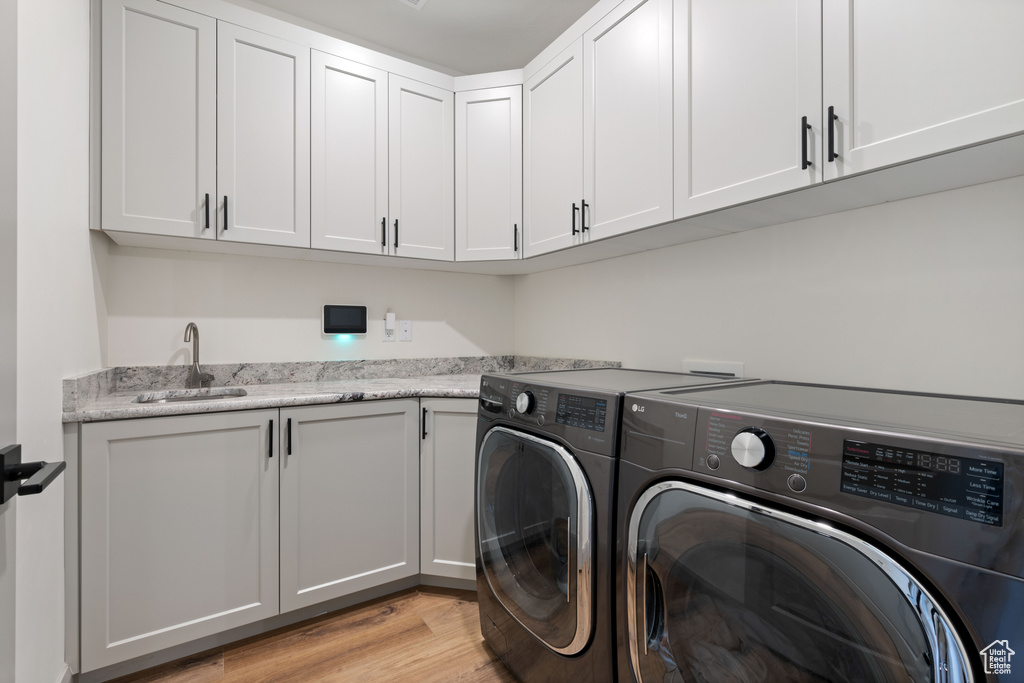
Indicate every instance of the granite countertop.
{"type": "Point", "coordinates": [110, 394]}
{"type": "Point", "coordinates": [122, 406]}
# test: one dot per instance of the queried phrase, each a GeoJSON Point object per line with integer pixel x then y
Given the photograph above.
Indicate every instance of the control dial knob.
{"type": "Point", "coordinates": [525, 402]}
{"type": "Point", "coordinates": [753, 448]}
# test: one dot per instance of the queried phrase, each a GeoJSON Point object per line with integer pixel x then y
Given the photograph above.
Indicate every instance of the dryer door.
{"type": "Point", "coordinates": [719, 589]}
{"type": "Point", "coordinates": [534, 525]}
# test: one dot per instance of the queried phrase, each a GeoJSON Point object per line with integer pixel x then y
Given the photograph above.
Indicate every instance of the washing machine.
{"type": "Point", "coordinates": [545, 496]}
{"type": "Point", "coordinates": [778, 531]}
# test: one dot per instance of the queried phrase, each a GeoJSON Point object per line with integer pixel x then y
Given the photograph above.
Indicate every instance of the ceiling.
{"type": "Point", "coordinates": [458, 37]}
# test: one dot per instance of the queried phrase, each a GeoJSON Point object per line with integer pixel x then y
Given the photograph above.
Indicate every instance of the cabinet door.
{"type": "Point", "coordinates": [421, 191]}
{"type": "Point", "coordinates": [178, 530]}
{"type": "Point", "coordinates": [746, 73]}
{"type": "Point", "coordinates": [488, 173]}
{"type": "Point", "coordinates": [159, 160]}
{"type": "Point", "coordinates": [349, 499]}
{"type": "Point", "coordinates": [553, 154]}
{"type": "Point", "coordinates": [349, 104]}
{"type": "Point", "coordinates": [447, 462]}
{"type": "Point", "coordinates": [913, 78]}
{"type": "Point", "coordinates": [262, 138]}
{"type": "Point", "coordinates": [627, 119]}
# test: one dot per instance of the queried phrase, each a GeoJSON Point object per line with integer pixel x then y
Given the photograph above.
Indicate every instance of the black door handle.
{"type": "Point", "coordinates": [424, 423]}
{"type": "Point", "coordinates": [515, 237]}
{"type": "Point", "coordinates": [226, 221]}
{"type": "Point", "coordinates": [39, 474]}
{"type": "Point", "coordinates": [396, 234]}
{"type": "Point", "coordinates": [832, 118]}
{"type": "Point", "coordinates": [271, 440]}
{"type": "Point", "coordinates": [289, 430]}
{"type": "Point", "coordinates": [804, 127]}
{"type": "Point", "coordinates": [574, 210]}
{"type": "Point", "coordinates": [206, 204]}
{"type": "Point", "coordinates": [583, 215]}
{"type": "Point", "coordinates": [384, 232]}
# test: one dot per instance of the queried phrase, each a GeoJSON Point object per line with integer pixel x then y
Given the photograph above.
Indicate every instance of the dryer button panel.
{"type": "Point", "coordinates": [962, 487]}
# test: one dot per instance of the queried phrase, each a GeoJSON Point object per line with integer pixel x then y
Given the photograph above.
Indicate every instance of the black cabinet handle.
{"type": "Point", "coordinates": [396, 234]}
{"type": "Point", "coordinates": [832, 118]}
{"type": "Point", "coordinates": [804, 127]}
{"type": "Point", "coordinates": [206, 204]}
{"type": "Point", "coordinates": [288, 428]}
{"type": "Point", "coordinates": [515, 237]}
{"type": "Point", "coordinates": [271, 439]}
{"type": "Point", "coordinates": [424, 423]}
{"type": "Point", "coordinates": [583, 215]}
{"type": "Point", "coordinates": [574, 210]}
{"type": "Point", "coordinates": [384, 232]}
{"type": "Point", "coordinates": [226, 221]}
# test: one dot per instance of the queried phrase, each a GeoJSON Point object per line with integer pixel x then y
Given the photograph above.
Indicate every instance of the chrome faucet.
{"type": "Point", "coordinates": [197, 379]}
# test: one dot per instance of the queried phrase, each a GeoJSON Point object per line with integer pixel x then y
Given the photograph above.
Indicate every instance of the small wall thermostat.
{"type": "Point", "coordinates": [344, 319]}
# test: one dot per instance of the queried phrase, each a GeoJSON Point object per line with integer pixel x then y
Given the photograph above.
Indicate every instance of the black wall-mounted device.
{"type": "Point", "coordinates": [344, 319]}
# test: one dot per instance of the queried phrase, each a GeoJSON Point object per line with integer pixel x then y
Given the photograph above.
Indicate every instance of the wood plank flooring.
{"type": "Point", "coordinates": [425, 635]}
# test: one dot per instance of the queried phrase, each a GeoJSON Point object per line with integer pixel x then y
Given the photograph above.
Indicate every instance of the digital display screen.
{"type": "Point", "coordinates": [581, 411]}
{"type": "Point", "coordinates": [961, 487]}
{"type": "Point", "coordinates": [344, 319]}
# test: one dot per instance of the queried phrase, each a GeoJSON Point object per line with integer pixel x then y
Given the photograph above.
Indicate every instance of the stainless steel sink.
{"type": "Point", "coordinates": [175, 395]}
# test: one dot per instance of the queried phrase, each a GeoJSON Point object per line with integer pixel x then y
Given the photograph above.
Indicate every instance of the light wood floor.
{"type": "Point", "coordinates": [423, 635]}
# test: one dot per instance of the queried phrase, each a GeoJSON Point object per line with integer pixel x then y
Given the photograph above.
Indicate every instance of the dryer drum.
{"type": "Point", "coordinates": [722, 590]}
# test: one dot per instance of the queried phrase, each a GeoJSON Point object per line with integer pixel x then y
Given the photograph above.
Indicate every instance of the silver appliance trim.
{"type": "Point", "coordinates": [584, 543]}
{"type": "Point", "coordinates": [949, 658]}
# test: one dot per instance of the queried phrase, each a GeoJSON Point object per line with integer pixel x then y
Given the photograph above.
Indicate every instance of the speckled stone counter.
{"type": "Point", "coordinates": [110, 394]}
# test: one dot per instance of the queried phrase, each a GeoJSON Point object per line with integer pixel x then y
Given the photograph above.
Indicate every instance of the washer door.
{"type": "Point", "coordinates": [534, 524]}
{"type": "Point", "coordinates": [719, 589]}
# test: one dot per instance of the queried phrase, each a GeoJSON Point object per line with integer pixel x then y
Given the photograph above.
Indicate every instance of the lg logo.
{"type": "Point", "coordinates": [638, 408]}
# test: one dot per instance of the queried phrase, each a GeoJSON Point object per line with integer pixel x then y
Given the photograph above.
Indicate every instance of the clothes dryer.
{"type": "Point", "coordinates": [545, 496]}
{"type": "Point", "coordinates": [781, 531]}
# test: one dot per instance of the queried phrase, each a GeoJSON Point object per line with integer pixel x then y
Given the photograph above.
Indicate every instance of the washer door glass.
{"type": "Point", "coordinates": [535, 529]}
{"type": "Point", "coordinates": [719, 589]}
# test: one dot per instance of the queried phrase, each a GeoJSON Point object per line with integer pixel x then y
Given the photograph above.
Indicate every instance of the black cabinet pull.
{"type": "Point", "coordinates": [583, 215]}
{"type": "Point", "coordinates": [39, 475]}
{"type": "Point", "coordinates": [396, 234]}
{"type": "Point", "coordinates": [832, 118]}
{"type": "Point", "coordinates": [515, 237]}
{"type": "Point", "coordinates": [271, 439]}
{"type": "Point", "coordinates": [804, 127]}
{"type": "Point", "coordinates": [574, 210]}
{"type": "Point", "coordinates": [226, 221]}
{"type": "Point", "coordinates": [206, 205]}
{"type": "Point", "coordinates": [424, 423]}
{"type": "Point", "coordinates": [288, 428]}
{"type": "Point", "coordinates": [384, 232]}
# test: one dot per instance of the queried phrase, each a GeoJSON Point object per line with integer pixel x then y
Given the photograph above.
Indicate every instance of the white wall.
{"type": "Point", "coordinates": [924, 294]}
{"type": "Point", "coordinates": [59, 317]}
{"type": "Point", "coordinates": [268, 310]}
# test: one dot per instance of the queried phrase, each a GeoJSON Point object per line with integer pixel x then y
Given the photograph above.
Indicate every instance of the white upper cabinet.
{"type": "Point", "coordinates": [912, 78]}
{"type": "Point", "coordinates": [262, 138]}
{"type": "Point", "coordinates": [746, 75]}
{"type": "Point", "coordinates": [421, 188]}
{"type": "Point", "coordinates": [553, 154]}
{"type": "Point", "coordinates": [159, 138]}
{"type": "Point", "coordinates": [627, 119]}
{"type": "Point", "coordinates": [349, 104]}
{"type": "Point", "coordinates": [488, 173]}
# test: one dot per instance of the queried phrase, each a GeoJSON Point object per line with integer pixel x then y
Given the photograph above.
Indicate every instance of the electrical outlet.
{"type": "Point", "coordinates": [388, 335]}
{"type": "Point", "coordinates": [404, 330]}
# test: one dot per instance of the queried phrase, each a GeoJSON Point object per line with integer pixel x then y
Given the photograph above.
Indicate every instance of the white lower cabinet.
{"type": "Point", "coordinates": [447, 461]}
{"type": "Point", "coordinates": [179, 531]}
{"type": "Point", "coordinates": [349, 498]}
